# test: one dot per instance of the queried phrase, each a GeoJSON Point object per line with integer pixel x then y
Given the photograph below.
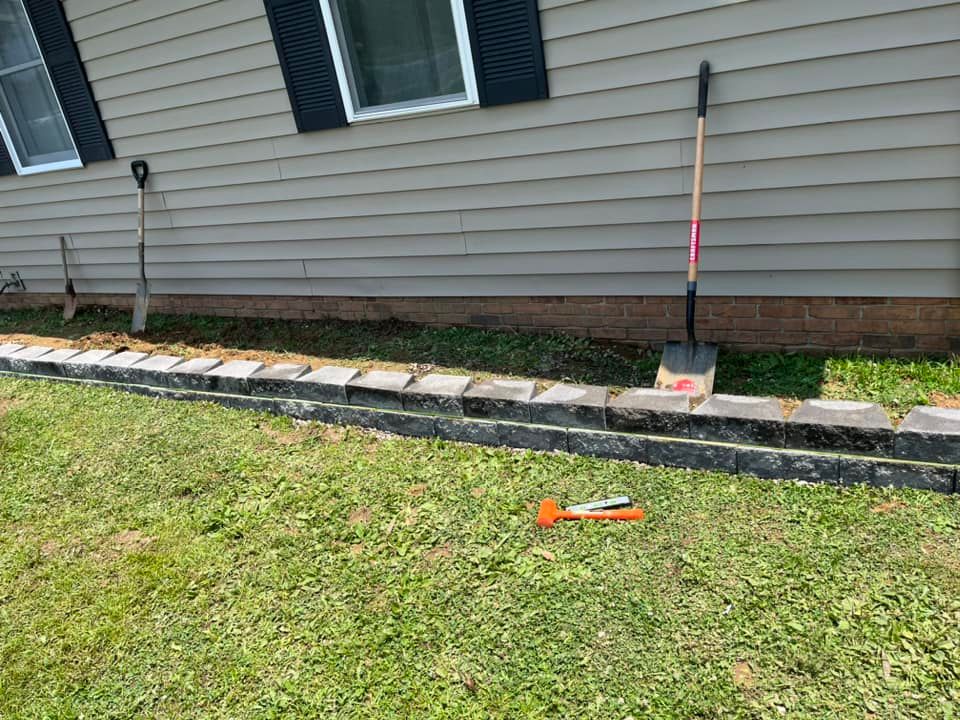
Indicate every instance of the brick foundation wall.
{"type": "Point", "coordinates": [884, 326]}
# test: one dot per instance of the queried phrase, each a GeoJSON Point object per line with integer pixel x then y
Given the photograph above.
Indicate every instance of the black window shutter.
{"type": "Point", "coordinates": [507, 50]}
{"type": "Point", "coordinates": [69, 79]}
{"type": "Point", "coordinates": [6, 164]}
{"type": "Point", "coordinates": [307, 63]}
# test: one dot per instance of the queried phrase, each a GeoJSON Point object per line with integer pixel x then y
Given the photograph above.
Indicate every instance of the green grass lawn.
{"type": "Point", "coordinates": [897, 384]}
{"type": "Point", "coordinates": [164, 560]}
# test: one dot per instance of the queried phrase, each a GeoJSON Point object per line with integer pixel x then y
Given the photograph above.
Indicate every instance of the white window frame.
{"type": "Point", "coordinates": [8, 138]}
{"type": "Point", "coordinates": [346, 93]}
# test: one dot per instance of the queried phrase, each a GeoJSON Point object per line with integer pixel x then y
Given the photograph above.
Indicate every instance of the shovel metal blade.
{"type": "Point", "coordinates": [688, 367]}
{"type": "Point", "coordinates": [140, 304]}
{"type": "Point", "coordinates": [69, 306]}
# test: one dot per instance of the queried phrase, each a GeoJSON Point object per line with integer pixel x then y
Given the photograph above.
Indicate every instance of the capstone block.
{"type": "Point", "coordinates": [328, 384]}
{"type": "Point", "coordinates": [277, 380]}
{"type": "Point", "coordinates": [379, 389]}
{"type": "Point", "coordinates": [566, 405]}
{"type": "Point", "coordinates": [650, 412]}
{"type": "Point", "coordinates": [840, 426]}
{"type": "Point", "coordinates": [437, 394]}
{"type": "Point", "coordinates": [931, 434]}
{"type": "Point", "coordinates": [500, 400]}
{"type": "Point", "coordinates": [739, 419]}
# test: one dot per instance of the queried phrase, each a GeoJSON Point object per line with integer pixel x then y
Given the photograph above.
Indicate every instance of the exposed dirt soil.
{"type": "Point", "coordinates": [127, 541]}
{"type": "Point", "coordinates": [945, 401]}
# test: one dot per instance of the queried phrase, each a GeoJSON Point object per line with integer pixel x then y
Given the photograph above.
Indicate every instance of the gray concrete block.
{"type": "Point", "coordinates": [191, 374]}
{"type": "Point", "coordinates": [930, 434]}
{"type": "Point", "coordinates": [392, 422]}
{"type": "Point", "coordinates": [379, 389]}
{"type": "Point", "coordinates": [277, 380]}
{"type": "Point", "coordinates": [437, 394]}
{"type": "Point", "coordinates": [500, 400]}
{"type": "Point", "coordinates": [739, 419]}
{"type": "Point", "coordinates": [613, 446]}
{"type": "Point", "coordinates": [840, 426]}
{"type": "Point", "coordinates": [304, 410]}
{"type": "Point", "coordinates": [404, 424]}
{"type": "Point", "coordinates": [868, 471]}
{"type": "Point", "coordinates": [165, 393]}
{"type": "Point", "coordinates": [571, 406]}
{"type": "Point", "coordinates": [788, 465]}
{"type": "Point", "coordinates": [81, 367]}
{"type": "Point", "coordinates": [22, 360]}
{"type": "Point", "coordinates": [246, 402]}
{"type": "Point", "coordinates": [50, 364]}
{"type": "Point", "coordinates": [328, 384]}
{"type": "Point", "coordinates": [116, 368]}
{"type": "Point", "coordinates": [10, 349]}
{"type": "Point", "coordinates": [232, 377]}
{"type": "Point", "coordinates": [691, 454]}
{"type": "Point", "coordinates": [153, 370]}
{"type": "Point", "coordinates": [534, 437]}
{"type": "Point", "coordinates": [477, 432]}
{"type": "Point", "coordinates": [650, 412]}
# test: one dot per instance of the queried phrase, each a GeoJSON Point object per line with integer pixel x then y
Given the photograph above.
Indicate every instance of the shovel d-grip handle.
{"type": "Point", "coordinates": [140, 171]}
{"type": "Point", "coordinates": [550, 513]}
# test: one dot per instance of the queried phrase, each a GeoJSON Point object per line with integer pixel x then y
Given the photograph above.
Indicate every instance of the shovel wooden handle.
{"type": "Point", "coordinates": [694, 257]}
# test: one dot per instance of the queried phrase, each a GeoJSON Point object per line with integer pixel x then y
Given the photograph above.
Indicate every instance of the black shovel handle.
{"type": "Point", "coordinates": [140, 171]}
{"type": "Point", "coordinates": [704, 89]}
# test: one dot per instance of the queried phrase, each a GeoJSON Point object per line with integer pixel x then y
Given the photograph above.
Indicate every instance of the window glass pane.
{"type": "Point", "coordinates": [400, 52]}
{"type": "Point", "coordinates": [33, 118]}
{"type": "Point", "coordinates": [17, 45]}
{"type": "Point", "coordinates": [28, 105]}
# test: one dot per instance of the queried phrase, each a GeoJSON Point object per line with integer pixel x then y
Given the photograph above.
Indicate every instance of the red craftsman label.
{"type": "Point", "coordinates": [694, 241]}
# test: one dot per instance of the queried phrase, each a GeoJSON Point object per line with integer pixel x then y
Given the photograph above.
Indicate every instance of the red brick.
{"type": "Point", "coordinates": [646, 310]}
{"type": "Point", "coordinates": [917, 301]}
{"type": "Point", "coordinates": [768, 324]}
{"type": "Point", "coordinates": [607, 310]}
{"type": "Point", "coordinates": [940, 313]}
{"type": "Point", "coordinates": [647, 335]}
{"type": "Point", "coordinates": [889, 312]}
{"type": "Point", "coordinates": [834, 311]}
{"type": "Point", "coordinates": [817, 326]}
{"type": "Point", "coordinates": [917, 327]}
{"type": "Point", "coordinates": [837, 339]}
{"type": "Point", "coordinates": [782, 311]}
{"type": "Point", "coordinates": [862, 326]}
{"type": "Point", "coordinates": [939, 343]}
{"type": "Point", "coordinates": [788, 300]}
{"type": "Point", "coordinates": [741, 311]}
{"type": "Point", "coordinates": [861, 301]}
{"type": "Point", "coordinates": [609, 333]}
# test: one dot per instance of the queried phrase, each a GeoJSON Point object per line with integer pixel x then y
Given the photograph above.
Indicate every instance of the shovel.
{"type": "Point", "coordinates": [142, 301]}
{"type": "Point", "coordinates": [690, 366]}
{"type": "Point", "coordinates": [69, 294]}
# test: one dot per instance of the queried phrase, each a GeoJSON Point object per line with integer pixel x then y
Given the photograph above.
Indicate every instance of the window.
{"type": "Point", "coordinates": [31, 120]}
{"type": "Point", "coordinates": [397, 57]}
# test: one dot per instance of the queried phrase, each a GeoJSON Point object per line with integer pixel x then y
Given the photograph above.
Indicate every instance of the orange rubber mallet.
{"type": "Point", "coordinates": [550, 513]}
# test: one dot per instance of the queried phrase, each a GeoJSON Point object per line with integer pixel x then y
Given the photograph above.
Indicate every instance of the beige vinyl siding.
{"type": "Point", "coordinates": [833, 161]}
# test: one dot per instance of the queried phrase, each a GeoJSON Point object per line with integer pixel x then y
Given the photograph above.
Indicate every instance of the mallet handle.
{"type": "Point", "coordinates": [632, 514]}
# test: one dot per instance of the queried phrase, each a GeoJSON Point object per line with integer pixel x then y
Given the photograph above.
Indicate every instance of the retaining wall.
{"type": "Point", "coordinates": [827, 441]}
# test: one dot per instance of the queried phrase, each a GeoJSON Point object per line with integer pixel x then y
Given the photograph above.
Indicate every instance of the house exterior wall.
{"type": "Point", "coordinates": [833, 162]}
